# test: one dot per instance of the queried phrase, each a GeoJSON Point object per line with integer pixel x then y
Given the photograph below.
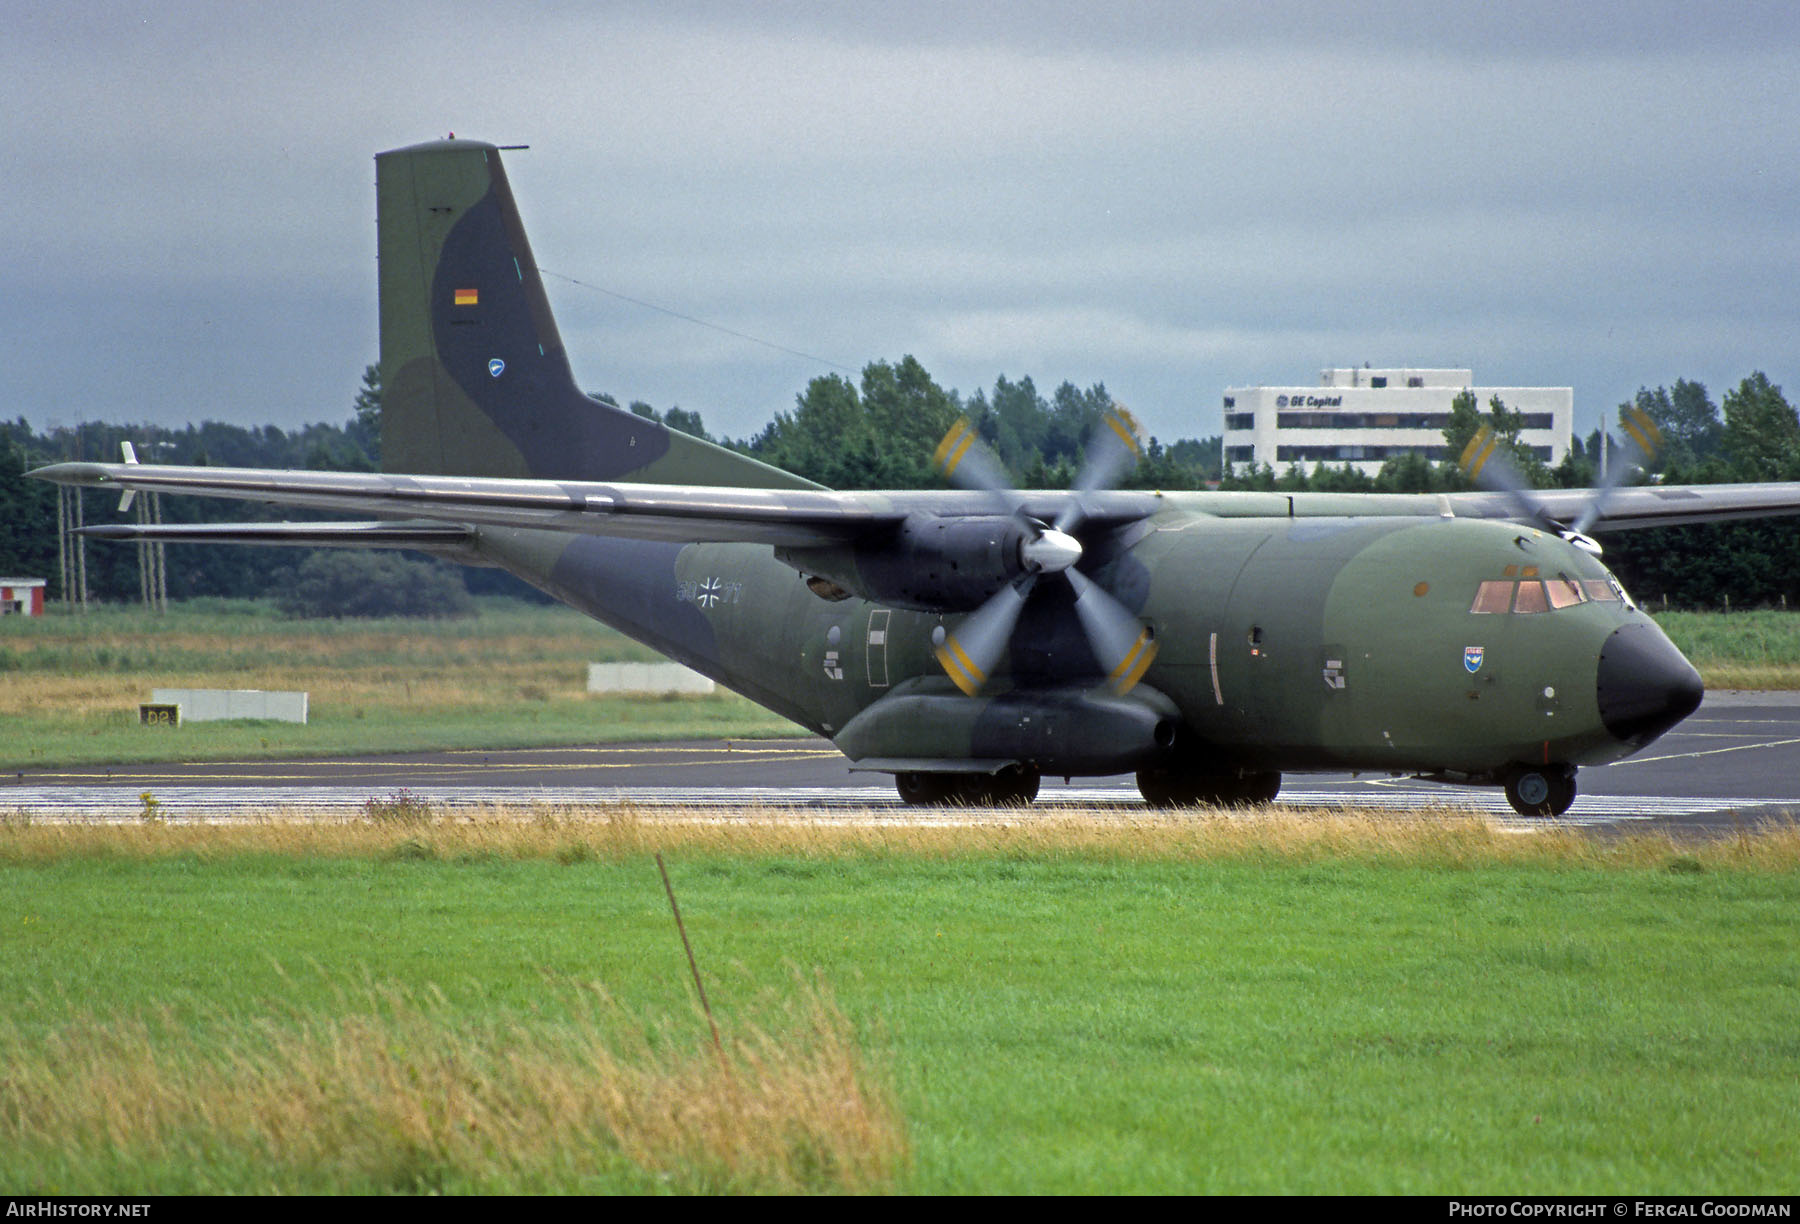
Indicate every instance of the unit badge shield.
{"type": "Point", "coordinates": [1472, 656]}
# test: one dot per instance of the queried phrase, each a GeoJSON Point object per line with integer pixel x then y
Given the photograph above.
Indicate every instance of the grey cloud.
{"type": "Point", "coordinates": [1162, 196]}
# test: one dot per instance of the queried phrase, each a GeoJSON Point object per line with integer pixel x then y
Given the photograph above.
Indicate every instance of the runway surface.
{"type": "Point", "coordinates": [1734, 764]}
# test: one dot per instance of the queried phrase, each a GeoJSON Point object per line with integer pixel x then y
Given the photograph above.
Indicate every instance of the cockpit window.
{"type": "Point", "coordinates": [1529, 595]}
{"type": "Point", "coordinates": [1564, 592]}
{"type": "Point", "coordinates": [1493, 597]}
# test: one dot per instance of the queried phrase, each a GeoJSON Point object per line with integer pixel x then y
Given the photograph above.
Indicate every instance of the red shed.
{"type": "Point", "coordinates": [22, 596]}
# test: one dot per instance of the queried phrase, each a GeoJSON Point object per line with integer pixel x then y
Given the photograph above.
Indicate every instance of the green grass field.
{"type": "Point", "coordinates": [1278, 1003]}
{"type": "Point", "coordinates": [513, 676]}
{"type": "Point", "coordinates": [1739, 650]}
{"type": "Point", "coordinates": [1292, 1003]}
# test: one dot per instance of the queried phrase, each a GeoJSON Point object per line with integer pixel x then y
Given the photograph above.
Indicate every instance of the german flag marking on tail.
{"type": "Point", "coordinates": [468, 297]}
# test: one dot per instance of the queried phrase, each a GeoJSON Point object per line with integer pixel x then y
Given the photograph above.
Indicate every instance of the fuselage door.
{"type": "Point", "coordinates": [877, 649]}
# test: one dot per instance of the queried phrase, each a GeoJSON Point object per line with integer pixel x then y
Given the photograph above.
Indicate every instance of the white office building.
{"type": "Point", "coordinates": [1365, 417]}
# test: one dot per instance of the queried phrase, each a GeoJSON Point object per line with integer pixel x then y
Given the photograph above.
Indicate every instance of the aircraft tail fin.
{"type": "Point", "coordinates": [475, 379]}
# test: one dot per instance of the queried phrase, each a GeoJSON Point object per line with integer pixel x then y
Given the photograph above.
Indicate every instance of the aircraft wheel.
{"type": "Point", "coordinates": [926, 789]}
{"type": "Point", "coordinates": [1172, 788]}
{"type": "Point", "coordinates": [1015, 786]}
{"type": "Point", "coordinates": [1541, 792]}
{"type": "Point", "coordinates": [1260, 787]}
{"type": "Point", "coordinates": [1155, 787]}
{"type": "Point", "coordinates": [1163, 788]}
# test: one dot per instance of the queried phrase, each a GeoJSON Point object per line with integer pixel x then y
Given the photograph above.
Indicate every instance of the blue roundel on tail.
{"type": "Point", "coordinates": [496, 367]}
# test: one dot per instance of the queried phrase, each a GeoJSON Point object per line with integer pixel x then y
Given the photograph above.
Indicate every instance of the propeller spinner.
{"type": "Point", "coordinates": [1124, 646]}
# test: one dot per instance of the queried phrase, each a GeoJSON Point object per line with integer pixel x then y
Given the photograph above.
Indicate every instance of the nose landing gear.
{"type": "Point", "coordinates": [1541, 790]}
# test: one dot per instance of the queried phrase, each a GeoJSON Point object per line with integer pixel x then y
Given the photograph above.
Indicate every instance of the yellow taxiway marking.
{"type": "Point", "coordinates": [732, 747]}
{"type": "Point", "coordinates": [339, 771]}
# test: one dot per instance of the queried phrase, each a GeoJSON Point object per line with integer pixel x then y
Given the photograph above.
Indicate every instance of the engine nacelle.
{"type": "Point", "coordinates": [927, 564]}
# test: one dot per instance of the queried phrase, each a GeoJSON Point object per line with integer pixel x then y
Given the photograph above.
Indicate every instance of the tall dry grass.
{"type": "Point", "coordinates": [109, 661]}
{"type": "Point", "coordinates": [396, 1091]}
{"type": "Point", "coordinates": [414, 830]}
{"type": "Point", "coordinates": [1755, 676]}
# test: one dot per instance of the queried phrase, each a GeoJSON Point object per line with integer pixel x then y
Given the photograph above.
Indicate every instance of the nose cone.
{"type": "Point", "coordinates": [1645, 685]}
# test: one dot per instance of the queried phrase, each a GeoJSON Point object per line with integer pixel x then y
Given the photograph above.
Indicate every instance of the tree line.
{"type": "Point", "coordinates": [879, 431]}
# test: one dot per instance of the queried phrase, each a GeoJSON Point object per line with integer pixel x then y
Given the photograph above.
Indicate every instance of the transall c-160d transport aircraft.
{"type": "Point", "coordinates": [974, 639]}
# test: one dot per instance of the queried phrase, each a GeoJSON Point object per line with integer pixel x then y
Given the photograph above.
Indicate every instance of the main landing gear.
{"type": "Point", "coordinates": [1014, 786]}
{"type": "Point", "coordinates": [1178, 788]}
{"type": "Point", "coordinates": [1541, 790]}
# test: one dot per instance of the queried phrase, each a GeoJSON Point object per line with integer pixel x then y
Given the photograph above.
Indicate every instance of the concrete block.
{"type": "Point", "coordinates": [215, 705]}
{"type": "Point", "coordinates": [646, 678]}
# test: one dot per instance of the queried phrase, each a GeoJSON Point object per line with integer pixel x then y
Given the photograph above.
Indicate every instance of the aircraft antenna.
{"type": "Point", "coordinates": [780, 348]}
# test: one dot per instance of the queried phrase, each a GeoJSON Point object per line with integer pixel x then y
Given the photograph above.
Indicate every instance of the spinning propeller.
{"type": "Point", "coordinates": [1124, 646]}
{"type": "Point", "coordinates": [1488, 465]}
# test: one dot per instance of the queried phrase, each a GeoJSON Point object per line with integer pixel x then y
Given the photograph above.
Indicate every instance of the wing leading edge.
{"type": "Point", "coordinates": [800, 518]}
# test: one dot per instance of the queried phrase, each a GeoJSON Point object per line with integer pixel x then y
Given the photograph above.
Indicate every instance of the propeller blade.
{"type": "Point", "coordinates": [1488, 466]}
{"type": "Point", "coordinates": [1643, 431]}
{"type": "Point", "coordinates": [966, 462]}
{"type": "Point", "coordinates": [1644, 440]}
{"type": "Point", "coordinates": [1112, 449]}
{"type": "Point", "coordinates": [1124, 645]}
{"type": "Point", "coordinates": [969, 653]}
{"type": "Point", "coordinates": [1117, 442]}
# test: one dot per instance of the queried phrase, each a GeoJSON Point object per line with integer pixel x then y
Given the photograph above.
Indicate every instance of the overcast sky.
{"type": "Point", "coordinates": [1169, 198]}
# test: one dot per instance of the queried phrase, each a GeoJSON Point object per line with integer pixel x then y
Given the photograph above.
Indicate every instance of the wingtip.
{"type": "Point", "coordinates": [71, 473]}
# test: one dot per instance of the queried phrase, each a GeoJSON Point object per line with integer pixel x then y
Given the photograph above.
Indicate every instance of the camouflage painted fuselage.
{"type": "Point", "coordinates": [1288, 643]}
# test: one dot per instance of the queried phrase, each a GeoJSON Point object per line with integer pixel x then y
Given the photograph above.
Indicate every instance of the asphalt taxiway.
{"type": "Point", "coordinates": [1735, 763]}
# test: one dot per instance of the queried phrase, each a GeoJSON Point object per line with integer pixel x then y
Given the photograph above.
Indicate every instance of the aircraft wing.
{"type": "Point", "coordinates": [1641, 505]}
{"type": "Point", "coordinates": [794, 518]}
{"type": "Point", "coordinates": [802, 518]}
